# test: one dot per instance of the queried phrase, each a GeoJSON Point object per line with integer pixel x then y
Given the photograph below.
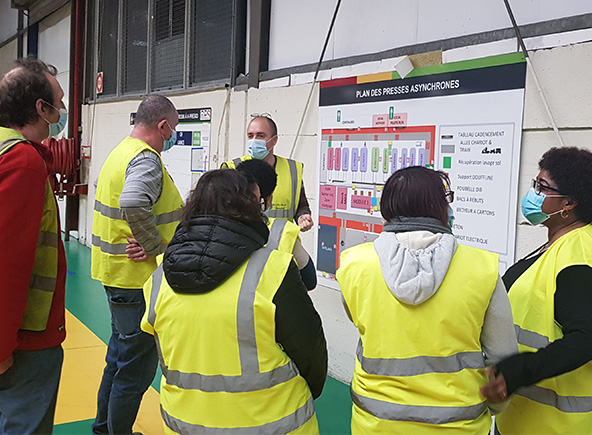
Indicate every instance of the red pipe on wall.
{"type": "Point", "coordinates": [77, 25]}
{"type": "Point", "coordinates": [77, 21]}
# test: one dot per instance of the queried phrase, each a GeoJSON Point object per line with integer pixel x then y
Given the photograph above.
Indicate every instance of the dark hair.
{"type": "Point", "coordinates": [20, 88]}
{"type": "Point", "coordinates": [153, 109]}
{"type": "Point", "coordinates": [226, 193]}
{"type": "Point", "coordinates": [263, 173]}
{"type": "Point", "coordinates": [571, 169]}
{"type": "Point", "coordinates": [270, 122]}
{"type": "Point", "coordinates": [415, 191]}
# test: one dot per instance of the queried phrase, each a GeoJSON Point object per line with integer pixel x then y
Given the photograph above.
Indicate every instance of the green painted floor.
{"type": "Point", "coordinates": [85, 299]}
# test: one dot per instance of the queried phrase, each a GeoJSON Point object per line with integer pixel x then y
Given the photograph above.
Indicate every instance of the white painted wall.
{"type": "Point", "coordinates": [299, 29]}
{"type": "Point", "coordinates": [8, 54]}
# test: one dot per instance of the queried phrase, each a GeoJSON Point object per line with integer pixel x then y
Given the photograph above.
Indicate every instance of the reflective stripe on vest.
{"type": "Point", "coordinates": [43, 281]}
{"type": "Point", "coordinates": [115, 213]}
{"type": "Point", "coordinates": [419, 365]}
{"type": "Point", "coordinates": [275, 233]}
{"type": "Point", "coordinates": [530, 338]}
{"type": "Point", "coordinates": [223, 383]}
{"type": "Point", "coordinates": [551, 398]}
{"type": "Point", "coordinates": [237, 161]}
{"type": "Point", "coordinates": [416, 413]}
{"type": "Point", "coordinates": [284, 425]}
{"type": "Point", "coordinates": [109, 248]}
{"type": "Point", "coordinates": [294, 179]}
{"type": "Point", "coordinates": [47, 238]}
{"type": "Point", "coordinates": [280, 214]}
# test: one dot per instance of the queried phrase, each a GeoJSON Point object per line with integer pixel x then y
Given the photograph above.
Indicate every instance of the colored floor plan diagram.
{"type": "Point", "coordinates": [355, 164]}
{"type": "Point", "coordinates": [462, 118]}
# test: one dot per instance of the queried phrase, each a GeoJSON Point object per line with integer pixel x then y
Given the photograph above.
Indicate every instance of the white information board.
{"type": "Point", "coordinates": [464, 118]}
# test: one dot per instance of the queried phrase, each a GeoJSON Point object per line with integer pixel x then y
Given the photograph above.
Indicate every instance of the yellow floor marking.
{"type": "Point", "coordinates": [84, 360]}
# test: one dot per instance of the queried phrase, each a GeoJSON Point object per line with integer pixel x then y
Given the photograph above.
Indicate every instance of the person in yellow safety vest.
{"type": "Point", "coordinates": [289, 199]}
{"type": "Point", "coordinates": [137, 208]}
{"type": "Point", "coordinates": [32, 257]}
{"type": "Point", "coordinates": [549, 289]}
{"type": "Point", "coordinates": [240, 343]}
{"type": "Point", "coordinates": [431, 313]}
{"type": "Point", "coordinates": [283, 234]}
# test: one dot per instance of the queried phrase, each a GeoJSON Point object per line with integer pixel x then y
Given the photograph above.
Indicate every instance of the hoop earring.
{"type": "Point", "coordinates": [566, 214]}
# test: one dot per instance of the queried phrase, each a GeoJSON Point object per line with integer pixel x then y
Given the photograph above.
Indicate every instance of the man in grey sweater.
{"type": "Point", "coordinates": [137, 208]}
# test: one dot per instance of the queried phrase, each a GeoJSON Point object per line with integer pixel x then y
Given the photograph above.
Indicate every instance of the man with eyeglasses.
{"type": "Point", "coordinates": [32, 259]}
{"type": "Point", "coordinates": [137, 208]}
{"type": "Point", "coordinates": [289, 198]}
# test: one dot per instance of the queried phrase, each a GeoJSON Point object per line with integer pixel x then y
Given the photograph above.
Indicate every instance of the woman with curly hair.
{"type": "Point", "coordinates": [551, 300]}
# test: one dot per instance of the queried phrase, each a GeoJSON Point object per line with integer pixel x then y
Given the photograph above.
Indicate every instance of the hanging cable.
{"type": "Point", "coordinates": [533, 71]}
{"type": "Point", "coordinates": [305, 111]}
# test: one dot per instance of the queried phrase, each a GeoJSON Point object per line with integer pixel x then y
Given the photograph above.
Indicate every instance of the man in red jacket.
{"type": "Point", "coordinates": [32, 258]}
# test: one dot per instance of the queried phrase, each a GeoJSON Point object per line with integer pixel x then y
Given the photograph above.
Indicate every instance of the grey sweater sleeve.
{"type": "Point", "coordinates": [498, 338]}
{"type": "Point", "coordinates": [141, 190]}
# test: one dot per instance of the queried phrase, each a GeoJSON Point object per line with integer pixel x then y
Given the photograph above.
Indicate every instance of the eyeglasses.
{"type": "Point", "coordinates": [449, 196]}
{"type": "Point", "coordinates": [264, 115]}
{"type": "Point", "coordinates": [54, 107]}
{"type": "Point", "coordinates": [538, 187]}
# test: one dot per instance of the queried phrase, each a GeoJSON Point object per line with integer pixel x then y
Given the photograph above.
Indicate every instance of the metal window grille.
{"type": "Point", "coordinates": [145, 46]}
{"type": "Point", "coordinates": [135, 46]}
{"type": "Point", "coordinates": [107, 44]}
{"type": "Point", "coordinates": [168, 44]}
{"type": "Point", "coordinates": [211, 41]}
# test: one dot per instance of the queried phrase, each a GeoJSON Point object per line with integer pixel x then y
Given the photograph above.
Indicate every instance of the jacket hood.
{"type": "Point", "coordinates": [414, 270]}
{"type": "Point", "coordinates": [202, 257]}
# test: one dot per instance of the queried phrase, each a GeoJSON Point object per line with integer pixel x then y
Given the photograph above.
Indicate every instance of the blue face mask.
{"type": "Point", "coordinates": [532, 207]}
{"type": "Point", "coordinates": [257, 148]}
{"type": "Point", "coordinates": [169, 143]}
{"type": "Point", "coordinates": [450, 217]}
{"type": "Point", "coordinates": [55, 129]}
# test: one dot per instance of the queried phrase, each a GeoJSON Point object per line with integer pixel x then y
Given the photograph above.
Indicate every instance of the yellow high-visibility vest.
{"type": "Point", "coordinates": [419, 367]}
{"type": "Point", "coordinates": [563, 404]}
{"type": "Point", "coordinates": [43, 281]}
{"type": "Point", "coordinates": [282, 235]}
{"type": "Point", "coordinates": [222, 369]}
{"type": "Point", "coordinates": [110, 264]}
{"type": "Point", "coordinates": [286, 195]}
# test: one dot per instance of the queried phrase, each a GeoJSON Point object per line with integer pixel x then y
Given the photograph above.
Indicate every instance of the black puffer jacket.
{"type": "Point", "coordinates": [202, 257]}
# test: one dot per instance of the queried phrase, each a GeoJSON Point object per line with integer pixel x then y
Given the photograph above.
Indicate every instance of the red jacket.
{"type": "Point", "coordinates": [23, 175]}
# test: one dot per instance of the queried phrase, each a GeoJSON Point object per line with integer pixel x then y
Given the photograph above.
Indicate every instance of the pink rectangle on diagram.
{"type": "Point", "coordinates": [337, 159]}
{"type": "Point", "coordinates": [379, 120]}
{"type": "Point", "coordinates": [342, 198]}
{"type": "Point", "coordinates": [359, 201]}
{"type": "Point", "coordinates": [327, 197]}
{"type": "Point", "coordinates": [399, 120]}
{"type": "Point", "coordinates": [331, 159]}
